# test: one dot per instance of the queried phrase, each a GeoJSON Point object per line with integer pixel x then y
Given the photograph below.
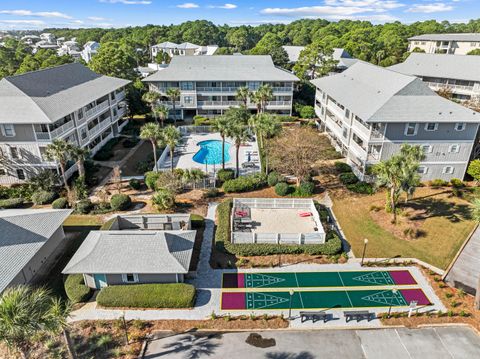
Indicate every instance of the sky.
{"type": "Point", "coordinates": [36, 14]}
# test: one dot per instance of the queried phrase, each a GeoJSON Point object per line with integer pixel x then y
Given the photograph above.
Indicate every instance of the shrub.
{"type": "Point", "coordinates": [11, 203]}
{"type": "Point", "coordinates": [348, 178]}
{"type": "Point", "coordinates": [437, 183]}
{"type": "Point", "coordinates": [16, 191]}
{"type": "Point", "coordinates": [305, 189]}
{"type": "Point", "coordinates": [120, 202]}
{"type": "Point", "coordinates": [245, 183]}
{"type": "Point", "coordinates": [211, 193]}
{"type": "Point", "coordinates": [164, 199]}
{"type": "Point", "coordinates": [282, 189]}
{"type": "Point", "coordinates": [197, 220]}
{"type": "Point", "coordinates": [60, 203]}
{"type": "Point", "coordinates": [361, 187]}
{"type": "Point", "coordinates": [457, 183]}
{"type": "Point", "coordinates": [307, 112]}
{"type": "Point", "coordinates": [170, 180]}
{"type": "Point", "coordinates": [177, 295]}
{"type": "Point", "coordinates": [43, 197]}
{"type": "Point", "coordinates": [151, 179]}
{"type": "Point", "coordinates": [274, 178]}
{"type": "Point", "coordinates": [225, 174]}
{"type": "Point", "coordinates": [134, 184]}
{"type": "Point", "coordinates": [76, 289]}
{"type": "Point", "coordinates": [342, 167]}
{"type": "Point", "coordinates": [84, 206]}
{"type": "Point", "coordinates": [200, 121]}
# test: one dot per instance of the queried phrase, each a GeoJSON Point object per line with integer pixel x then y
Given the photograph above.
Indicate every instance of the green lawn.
{"type": "Point", "coordinates": [445, 225]}
{"type": "Point", "coordinates": [83, 220]}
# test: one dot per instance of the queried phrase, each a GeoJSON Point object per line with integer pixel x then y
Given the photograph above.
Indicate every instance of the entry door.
{"type": "Point", "coordinates": [100, 281]}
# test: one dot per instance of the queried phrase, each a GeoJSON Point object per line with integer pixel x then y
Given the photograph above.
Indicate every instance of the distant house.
{"type": "Point", "coordinates": [460, 74]}
{"type": "Point", "coordinates": [345, 60]}
{"type": "Point", "coordinates": [183, 49]}
{"type": "Point", "coordinates": [453, 44]}
{"type": "Point", "coordinates": [30, 241]}
{"type": "Point", "coordinates": [90, 49]}
{"type": "Point", "coordinates": [69, 48]}
{"type": "Point", "coordinates": [132, 256]}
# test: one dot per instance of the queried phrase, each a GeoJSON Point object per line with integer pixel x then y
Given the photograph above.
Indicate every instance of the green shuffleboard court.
{"type": "Point", "coordinates": [322, 299]}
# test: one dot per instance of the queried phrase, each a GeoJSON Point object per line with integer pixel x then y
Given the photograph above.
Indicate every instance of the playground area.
{"type": "Point", "coordinates": [321, 290]}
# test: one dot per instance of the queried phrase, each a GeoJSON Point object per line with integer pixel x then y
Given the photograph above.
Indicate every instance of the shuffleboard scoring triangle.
{"type": "Point", "coordinates": [386, 297]}
{"type": "Point", "coordinates": [378, 277]}
{"type": "Point", "coordinates": [263, 300]}
{"type": "Point", "coordinates": [254, 280]}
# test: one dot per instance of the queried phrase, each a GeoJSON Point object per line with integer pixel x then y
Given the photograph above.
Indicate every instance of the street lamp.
{"type": "Point", "coordinates": [291, 292]}
{"type": "Point", "coordinates": [394, 291]}
{"type": "Point", "coordinates": [365, 242]}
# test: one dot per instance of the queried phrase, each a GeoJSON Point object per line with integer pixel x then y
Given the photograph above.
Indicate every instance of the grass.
{"type": "Point", "coordinates": [444, 222]}
{"type": "Point", "coordinates": [83, 220]}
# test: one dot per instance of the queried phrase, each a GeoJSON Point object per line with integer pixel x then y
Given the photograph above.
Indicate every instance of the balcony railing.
{"type": "Point", "coordinates": [279, 103]}
{"type": "Point", "coordinates": [219, 103]}
{"type": "Point", "coordinates": [95, 110]}
{"type": "Point", "coordinates": [45, 136]}
{"type": "Point", "coordinates": [439, 86]}
{"type": "Point", "coordinates": [104, 124]}
{"type": "Point", "coordinates": [282, 89]}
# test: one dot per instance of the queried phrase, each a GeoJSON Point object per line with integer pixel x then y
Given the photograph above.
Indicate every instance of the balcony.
{"type": "Point", "coordinates": [45, 136]}
{"type": "Point", "coordinates": [279, 103]}
{"type": "Point", "coordinates": [282, 89]}
{"type": "Point", "coordinates": [359, 151]}
{"type": "Point", "coordinates": [455, 88]}
{"type": "Point", "coordinates": [219, 103]}
{"type": "Point", "coordinates": [102, 125]}
{"type": "Point", "coordinates": [97, 109]}
{"type": "Point", "coordinates": [119, 96]}
{"type": "Point", "coordinates": [334, 127]}
{"type": "Point", "coordinates": [360, 128]}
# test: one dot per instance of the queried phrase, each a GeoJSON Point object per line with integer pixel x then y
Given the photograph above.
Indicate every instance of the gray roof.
{"type": "Point", "coordinates": [23, 233]}
{"type": "Point", "coordinates": [341, 55]}
{"type": "Point", "coordinates": [376, 94]}
{"type": "Point", "coordinates": [222, 68]}
{"type": "Point", "coordinates": [447, 37]}
{"type": "Point", "coordinates": [47, 95]}
{"type": "Point", "coordinates": [120, 252]}
{"type": "Point", "coordinates": [458, 67]}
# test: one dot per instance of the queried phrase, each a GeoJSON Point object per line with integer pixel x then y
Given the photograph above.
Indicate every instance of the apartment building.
{"type": "Point", "coordinates": [453, 44]}
{"type": "Point", "coordinates": [70, 102]}
{"type": "Point", "coordinates": [183, 49]}
{"type": "Point", "coordinates": [369, 112]}
{"type": "Point", "coordinates": [460, 74]}
{"type": "Point", "coordinates": [208, 84]}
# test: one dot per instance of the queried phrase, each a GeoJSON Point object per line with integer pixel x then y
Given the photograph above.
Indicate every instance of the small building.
{"type": "Point", "coordinates": [460, 74]}
{"type": "Point", "coordinates": [90, 49]}
{"type": "Point", "coordinates": [452, 44]}
{"type": "Point", "coordinates": [133, 257]}
{"type": "Point", "coordinates": [345, 60]}
{"type": "Point", "coordinates": [183, 49]}
{"type": "Point", "coordinates": [157, 222]}
{"type": "Point", "coordinates": [30, 241]}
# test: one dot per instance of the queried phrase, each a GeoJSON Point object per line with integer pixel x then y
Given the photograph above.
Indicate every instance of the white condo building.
{"type": "Point", "coordinates": [69, 102]}
{"type": "Point", "coordinates": [183, 49]}
{"type": "Point", "coordinates": [452, 44]}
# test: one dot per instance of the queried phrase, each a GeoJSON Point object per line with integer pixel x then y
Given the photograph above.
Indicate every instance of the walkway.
{"type": "Point", "coordinates": [465, 272]}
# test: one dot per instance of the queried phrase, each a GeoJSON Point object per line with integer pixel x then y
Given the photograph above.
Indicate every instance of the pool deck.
{"type": "Point", "coordinates": [184, 153]}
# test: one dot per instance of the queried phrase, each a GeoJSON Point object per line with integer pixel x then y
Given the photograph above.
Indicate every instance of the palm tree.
{"type": "Point", "coordinates": [152, 132]}
{"type": "Point", "coordinates": [58, 151]}
{"type": "Point", "coordinates": [265, 125]}
{"type": "Point", "coordinates": [239, 133]}
{"type": "Point", "coordinates": [389, 174]}
{"type": "Point", "coordinates": [162, 112]}
{"type": "Point", "coordinates": [80, 154]}
{"type": "Point", "coordinates": [255, 97]}
{"type": "Point", "coordinates": [173, 93]}
{"type": "Point", "coordinates": [24, 313]}
{"type": "Point", "coordinates": [221, 125]}
{"type": "Point", "coordinates": [171, 137]}
{"type": "Point", "coordinates": [265, 94]}
{"type": "Point", "coordinates": [58, 313]}
{"type": "Point", "coordinates": [151, 98]}
{"type": "Point", "coordinates": [243, 94]}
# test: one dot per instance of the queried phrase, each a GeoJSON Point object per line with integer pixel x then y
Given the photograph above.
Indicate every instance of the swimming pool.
{"type": "Point", "coordinates": [210, 152]}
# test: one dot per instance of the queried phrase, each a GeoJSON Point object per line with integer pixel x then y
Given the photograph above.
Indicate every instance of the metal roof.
{"type": "Point", "coordinates": [468, 37]}
{"type": "Point", "coordinates": [23, 233]}
{"type": "Point", "coordinates": [120, 252]}
{"type": "Point", "coordinates": [458, 67]}
{"type": "Point", "coordinates": [376, 94]}
{"type": "Point", "coordinates": [222, 68]}
{"type": "Point", "coordinates": [47, 95]}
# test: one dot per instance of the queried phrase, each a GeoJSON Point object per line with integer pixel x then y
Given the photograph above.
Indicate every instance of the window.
{"type": "Point", "coordinates": [411, 129]}
{"type": "Point", "coordinates": [427, 148]}
{"type": "Point", "coordinates": [422, 170]}
{"type": "Point", "coordinates": [130, 278]}
{"type": "Point", "coordinates": [186, 86]}
{"type": "Point", "coordinates": [431, 126]}
{"type": "Point", "coordinates": [188, 100]}
{"type": "Point", "coordinates": [8, 130]}
{"type": "Point", "coordinates": [80, 114]}
{"type": "Point", "coordinates": [473, 44]}
{"type": "Point", "coordinates": [345, 133]}
{"type": "Point", "coordinates": [20, 174]}
{"type": "Point", "coordinates": [460, 126]}
{"type": "Point", "coordinates": [448, 170]}
{"type": "Point", "coordinates": [347, 113]}
{"type": "Point", "coordinates": [454, 148]}
{"type": "Point", "coordinates": [167, 226]}
{"type": "Point", "coordinates": [3, 172]}
{"type": "Point", "coordinates": [14, 153]}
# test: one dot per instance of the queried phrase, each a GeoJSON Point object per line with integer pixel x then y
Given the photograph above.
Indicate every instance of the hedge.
{"type": "Point", "coordinates": [332, 246]}
{"type": "Point", "coordinates": [134, 184]}
{"type": "Point", "coordinates": [151, 179]}
{"type": "Point", "coordinates": [361, 187]}
{"type": "Point", "coordinates": [84, 206]}
{"type": "Point", "coordinates": [225, 174]}
{"type": "Point", "coordinates": [342, 167]}
{"type": "Point", "coordinates": [76, 289]}
{"type": "Point", "coordinates": [43, 197]}
{"type": "Point", "coordinates": [245, 183]}
{"type": "Point", "coordinates": [11, 203]}
{"type": "Point", "coordinates": [175, 295]}
{"type": "Point", "coordinates": [348, 178]}
{"type": "Point", "coordinates": [197, 220]}
{"type": "Point", "coordinates": [60, 203]}
{"type": "Point", "coordinates": [120, 202]}
{"type": "Point", "coordinates": [274, 178]}
{"type": "Point", "coordinates": [282, 189]}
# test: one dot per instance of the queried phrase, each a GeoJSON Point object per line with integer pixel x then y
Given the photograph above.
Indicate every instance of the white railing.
{"type": "Point", "coordinates": [104, 124]}
{"type": "Point", "coordinates": [219, 103]}
{"type": "Point", "coordinates": [62, 129]}
{"type": "Point", "coordinates": [119, 96]}
{"type": "Point", "coordinates": [275, 203]}
{"type": "Point", "coordinates": [71, 170]}
{"type": "Point", "coordinates": [282, 89]}
{"type": "Point", "coordinates": [217, 89]}
{"type": "Point", "coordinates": [361, 130]}
{"type": "Point", "coordinates": [439, 86]}
{"type": "Point", "coordinates": [95, 110]}
{"type": "Point", "coordinates": [358, 150]}
{"type": "Point", "coordinates": [187, 130]}
{"type": "Point", "coordinates": [278, 238]}
{"type": "Point", "coordinates": [279, 103]}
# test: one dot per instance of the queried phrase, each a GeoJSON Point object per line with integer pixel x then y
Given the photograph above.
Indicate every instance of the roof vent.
{"type": "Point", "coordinates": [439, 113]}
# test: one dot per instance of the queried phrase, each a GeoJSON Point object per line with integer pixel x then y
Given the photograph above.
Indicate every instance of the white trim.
{"type": "Point", "coordinates": [464, 126]}
{"type": "Point", "coordinates": [430, 141]}
{"type": "Point", "coordinates": [446, 163]}
{"type": "Point", "coordinates": [451, 147]}
{"type": "Point", "coordinates": [407, 127]}
{"type": "Point", "coordinates": [444, 170]}
{"type": "Point", "coordinates": [427, 148]}
{"type": "Point", "coordinates": [435, 127]}
{"type": "Point", "coordinates": [125, 279]}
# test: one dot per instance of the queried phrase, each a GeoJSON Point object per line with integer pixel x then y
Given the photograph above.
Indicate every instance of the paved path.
{"type": "Point", "coordinates": [402, 343]}
{"type": "Point", "coordinates": [466, 270]}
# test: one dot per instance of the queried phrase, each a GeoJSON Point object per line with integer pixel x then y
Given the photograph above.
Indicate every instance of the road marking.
{"type": "Point", "coordinates": [341, 280]}
{"type": "Point", "coordinates": [299, 293]}
{"type": "Point", "coordinates": [403, 345]}
{"type": "Point", "coordinates": [443, 344]}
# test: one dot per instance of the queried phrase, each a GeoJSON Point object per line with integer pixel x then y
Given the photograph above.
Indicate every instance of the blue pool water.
{"type": "Point", "coordinates": [210, 152]}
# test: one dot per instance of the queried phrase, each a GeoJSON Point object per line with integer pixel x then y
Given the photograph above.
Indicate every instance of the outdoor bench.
{"type": "Point", "coordinates": [358, 315]}
{"type": "Point", "coordinates": [313, 316]}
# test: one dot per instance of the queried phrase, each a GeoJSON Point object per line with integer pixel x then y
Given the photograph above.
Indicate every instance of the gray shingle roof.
{"type": "Point", "coordinates": [447, 37]}
{"type": "Point", "coordinates": [222, 68]}
{"type": "Point", "coordinates": [23, 233]}
{"type": "Point", "coordinates": [47, 95]}
{"type": "Point", "coordinates": [339, 54]}
{"type": "Point", "coordinates": [459, 67]}
{"type": "Point", "coordinates": [119, 252]}
{"type": "Point", "coordinates": [376, 94]}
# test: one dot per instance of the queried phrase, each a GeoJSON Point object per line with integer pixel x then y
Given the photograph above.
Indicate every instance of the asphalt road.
{"type": "Point", "coordinates": [425, 343]}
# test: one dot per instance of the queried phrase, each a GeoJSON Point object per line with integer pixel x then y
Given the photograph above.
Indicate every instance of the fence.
{"type": "Point", "coordinates": [274, 203]}
{"type": "Point", "coordinates": [187, 130]}
{"type": "Point", "coordinates": [278, 238]}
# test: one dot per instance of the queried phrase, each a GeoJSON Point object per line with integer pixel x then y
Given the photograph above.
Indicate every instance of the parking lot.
{"type": "Point", "coordinates": [401, 343]}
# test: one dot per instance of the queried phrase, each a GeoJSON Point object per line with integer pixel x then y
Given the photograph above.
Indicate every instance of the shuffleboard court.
{"type": "Point", "coordinates": [322, 300]}
{"type": "Point", "coordinates": [318, 279]}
